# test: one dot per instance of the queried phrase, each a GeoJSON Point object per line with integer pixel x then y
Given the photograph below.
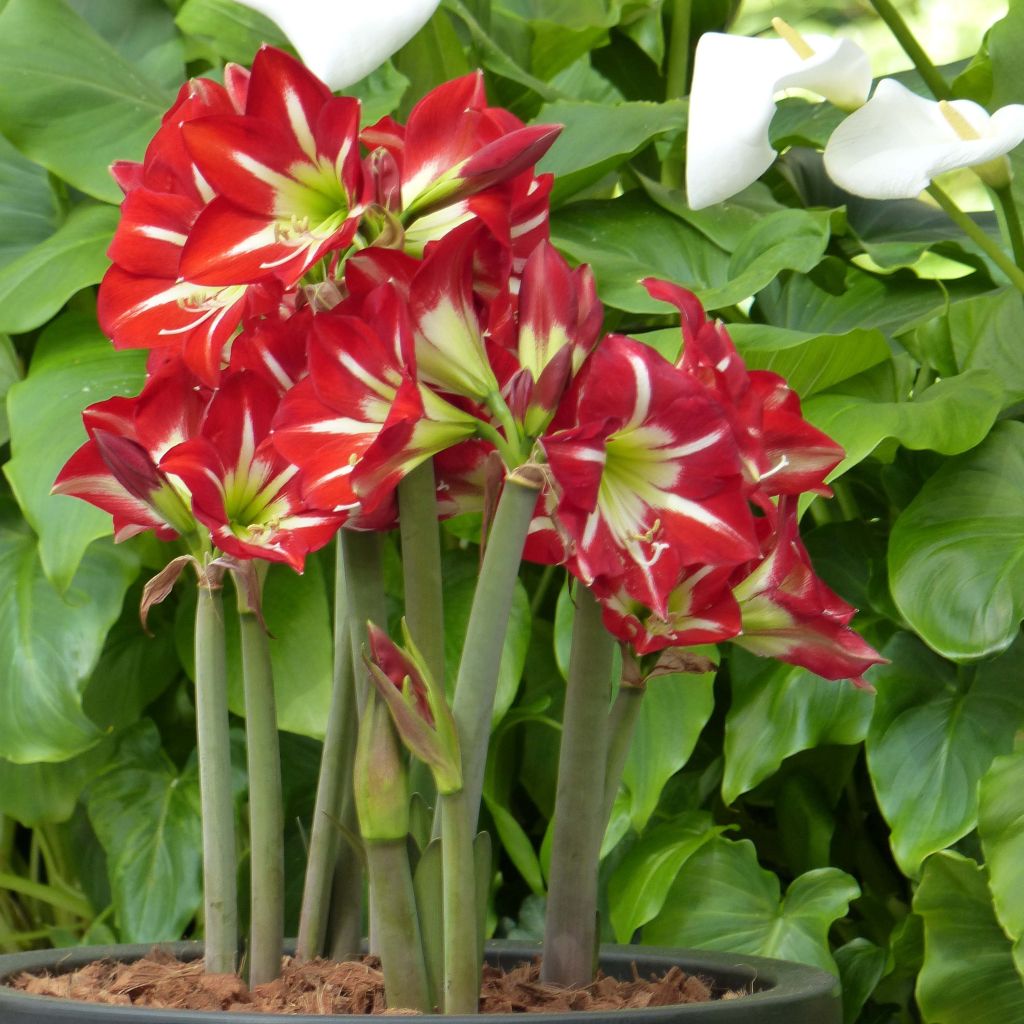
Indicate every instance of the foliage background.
{"type": "Point", "coordinates": [764, 810]}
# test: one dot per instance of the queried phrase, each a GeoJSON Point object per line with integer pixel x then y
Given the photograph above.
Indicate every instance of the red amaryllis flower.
{"type": "Point", "coordinates": [782, 452]}
{"type": "Point", "coordinates": [117, 468]}
{"type": "Point", "coordinates": [243, 491]}
{"type": "Point", "coordinates": [649, 477]}
{"type": "Point", "coordinates": [287, 175]}
{"type": "Point", "coordinates": [788, 613]}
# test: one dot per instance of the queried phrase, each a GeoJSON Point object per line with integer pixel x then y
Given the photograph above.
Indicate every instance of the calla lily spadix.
{"type": "Point", "coordinates": [342, 41]}
{"type": "Point", "coordinates": [898, 142]}
{"type": "Point", "coordinates": [735, 81]}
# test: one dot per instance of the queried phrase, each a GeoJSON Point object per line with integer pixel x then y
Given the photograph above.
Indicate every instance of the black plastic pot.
{"type": "Point", "coordinates": [780, 992]}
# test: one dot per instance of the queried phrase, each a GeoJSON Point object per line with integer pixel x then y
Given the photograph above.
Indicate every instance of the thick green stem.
{"type": "Point", "coordinates": [364, 581]}
{"type": "Point", "coordinates": [887, 11]}
{"type": "Point", "coordinates": [677, 75]}
{"type": "Point", "coordinates": [421, 565]}
{"type": "Point", "coordinates": [621, 725]}
{"type": "Point", "coordinates": [1011, 219]}
{"type": "Point", "coordinates": [346, 911]}
{"type": "Point", "coordinates": [570, 932]}
{"type": "Point", "coordinates": [220, 898]}
{"type": "Point", "coordinates": [398, 926]}
{"type": "Point", "coordinates": [461, 946]}
{"type": "Point", "coordinates": [477, 680]}
{"type": "Point", "coordinates": [978, 236]}
{"type": "Point", "coordinates": [266, 809]}
{"type": "Point", "coordinates": [334, 782]}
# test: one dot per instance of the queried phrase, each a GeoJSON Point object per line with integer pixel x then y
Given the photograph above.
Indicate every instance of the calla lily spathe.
{"type": "Point", "coordinates": [341, 41]}
{"type": "Point", "coordinates": [897, 142]}
{"type": "Point", "coordinates": [735, 80]}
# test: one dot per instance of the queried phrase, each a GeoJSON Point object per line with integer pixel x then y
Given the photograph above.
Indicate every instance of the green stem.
{"type": "Point", "coordinates": [364, 581]}
{"type": "Point", "coordinates": [421, 565]}
{"type": "Point", "coordinates": [220, 899]}
{"type": "Point", "coordinates": [266, 807]}
{"type": "Point", "coordinates": [398, 926]}
{"type": "Point", "coordinates": [978, 236]}
{"type": "Point", "coordinates": [886, 10]}
{"type": "Point", "coordinates": [621, 725]}
{"type": "Point", "coordinates": [1011, 218]}
{"type": "Point", "coordinates": [543, 586]}
{"type": "Point", "coordinates": [334, 782]}
{"type": "Point", "coordinates": [677, 75]}
{"type": "Point", "coordinates": [51, 895]}
{"type": "Point", "coordinates": [477, 680]}
{"type": "Point", "coordinates": [461, 949]}
{"type": "Point", "coordinates": [570, 930]}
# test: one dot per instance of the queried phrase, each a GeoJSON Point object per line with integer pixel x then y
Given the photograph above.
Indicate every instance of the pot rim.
{"type": "Point", "coordinates": [769, 982]}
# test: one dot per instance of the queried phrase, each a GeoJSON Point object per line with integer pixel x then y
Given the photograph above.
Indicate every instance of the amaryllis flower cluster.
{"type": "Point", "coordinates": [328, 307]}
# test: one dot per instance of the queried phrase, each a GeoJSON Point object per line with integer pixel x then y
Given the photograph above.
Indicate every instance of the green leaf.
{"type": "Point", "coordinates": [955, 551]}
{"type": "Point", "coordinates": [641, 881]}
{"type": "Point", "coordinates": [49, 644]}
{"type": "Point", "coordinates": [516, 844]}
{"type": "Point", "coordinates": [146, 815]}
{"type": "Point", "coordinates": [73, 366]}
{"type": "Point", "coordinates": [805, 711]}
{"type": "Point", "coordinates": [1005, 39]}
{"type": "Point", "coordinates": [968, 976]}
{"type": "Point", "coordinates": [598, 137]}
{"type": "Point", "coordinates": [618, 236]}
{"type": "Point", "coordinates": [231, 30]}
{"type": "Point", "coordinates": [39, 794]}
{"type": "Point", "coordinates": [935, 731]}
{"type": "Point", "coordinates": [35, 285]}
{"type": "Point", "coordinates": [674, 710]}
{"type": "Point", "coordinates": [950, 417]}
{"type": "Point", "coordinates": [723, 899]}
{"type": "Point", "coordinates": [861, 966]}
{"type": "Point", "coordinates": [1001, 826]}
{"type": "Point", "coordinates": [11, 372]}
{"type": "Point", "coordinates": [29, 210]}
{"type": "Point", "coordinates": [380, 92]}
{"type": "Point", "coordinates": [71, 102]}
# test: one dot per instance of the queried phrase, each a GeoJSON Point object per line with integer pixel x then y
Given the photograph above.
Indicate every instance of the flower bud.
{"type": "Point", "coordinates": [380, 778]}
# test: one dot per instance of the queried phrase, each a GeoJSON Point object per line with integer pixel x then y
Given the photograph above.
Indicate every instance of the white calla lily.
{"type": "Point", "coordinates": [897, 142]}
{"type": "Point", "coordinates": [735, 81]}
{"type": "Point", "coordinates": [342, 41]}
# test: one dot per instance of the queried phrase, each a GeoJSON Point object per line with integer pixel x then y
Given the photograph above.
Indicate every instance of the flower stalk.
{"type": "Point", "coordinates": [461, 988]}
{"type": "Point", "coordinates": [887, 11]}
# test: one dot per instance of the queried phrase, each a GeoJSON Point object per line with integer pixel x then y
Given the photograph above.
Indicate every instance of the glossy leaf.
{"type": "Point", "coordinates": [233, 31]}
{"type": "Point", "coordinates": [968, 975]}
{"type": "Point", "coordinates": [73, 366]}
{"type": "Point", "coordinates": [28, 206]}
{"type": "Point", "coordinates": [11, 371]}
{"type": "Point", "coordinates": [723, 899]}
{"type": "Point", "coordinates": [955, 548]}
{"type": "Point", "coordinates": [72, 102]}
{"type": "Point", "coordinates": [1001, 826]}
{"type": "Point", "coordinates": [49, 644]}
{"type": "Point", "coordinates": [950, 417]}
{"type": "Point", "coordinates": [34, 286]}
{"type": "Point", "coordinates": [641, 881]}
{"type": "Point", "coordinates": [674, 710]}
{"type": "Point", "coordinates": [861, 966]}
{"type": "Point", "coordinates": [778, 710]}
{"type": "Point", "coordinates": [954, 720]}
{"type": "Point", "coordinates": [146, 815]}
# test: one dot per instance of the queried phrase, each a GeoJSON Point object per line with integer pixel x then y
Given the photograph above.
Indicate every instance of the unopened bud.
{"type": "Point", "coordinates": [380, 779]}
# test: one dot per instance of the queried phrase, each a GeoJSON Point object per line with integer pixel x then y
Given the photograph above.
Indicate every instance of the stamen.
{"type": "Point", "coordinates": [963, 128]}
{"type": "Point", "coordinates": [797, 43]}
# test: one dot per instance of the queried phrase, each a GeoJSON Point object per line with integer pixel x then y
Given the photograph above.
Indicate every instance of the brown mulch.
{"type": "Point", "coordinates": [326, 987]}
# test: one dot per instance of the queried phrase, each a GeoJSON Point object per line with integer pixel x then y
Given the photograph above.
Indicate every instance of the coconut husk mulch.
{"type": "Point", "coordinates": [326, 987]}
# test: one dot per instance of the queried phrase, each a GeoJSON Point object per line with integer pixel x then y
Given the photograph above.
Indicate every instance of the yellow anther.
{"type": "Point", "coordinates": [963, 128]}
{"type": "Point", "coordinates": [797, 43]}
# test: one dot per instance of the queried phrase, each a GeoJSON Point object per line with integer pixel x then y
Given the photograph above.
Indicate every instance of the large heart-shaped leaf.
{"type": "Point", "coordinates": [804, 711]}
{"type": "Point", "coordinates": [28, 206]}
{"type": "Point", "coordinates": [675, 709]}
{"type": "Point", "coordinates": [935, 731]}
{"type": "Point", "coordinates": [35, 285]}
{"type": "Point", "coordinates": [73, 366]}
{"type": "Point", "coordinates": [968, 975]}
{"type": "Point", "coordinates": [950, 417]}
{"type": "Point", "coordinates": [641, 881]}
{"type": "Point", "coordinates": [723, 899]}
{"type": "Point", "coordinates": [955, 556]}
{"type": "Point", "coordinates": [49, 644]}
{"type": "Point", "coordinates": [146, 815]}
{"type": "Point", "coordinates": [71, 102]}
{"type": "Point", "coordinates": [1001, 826]}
